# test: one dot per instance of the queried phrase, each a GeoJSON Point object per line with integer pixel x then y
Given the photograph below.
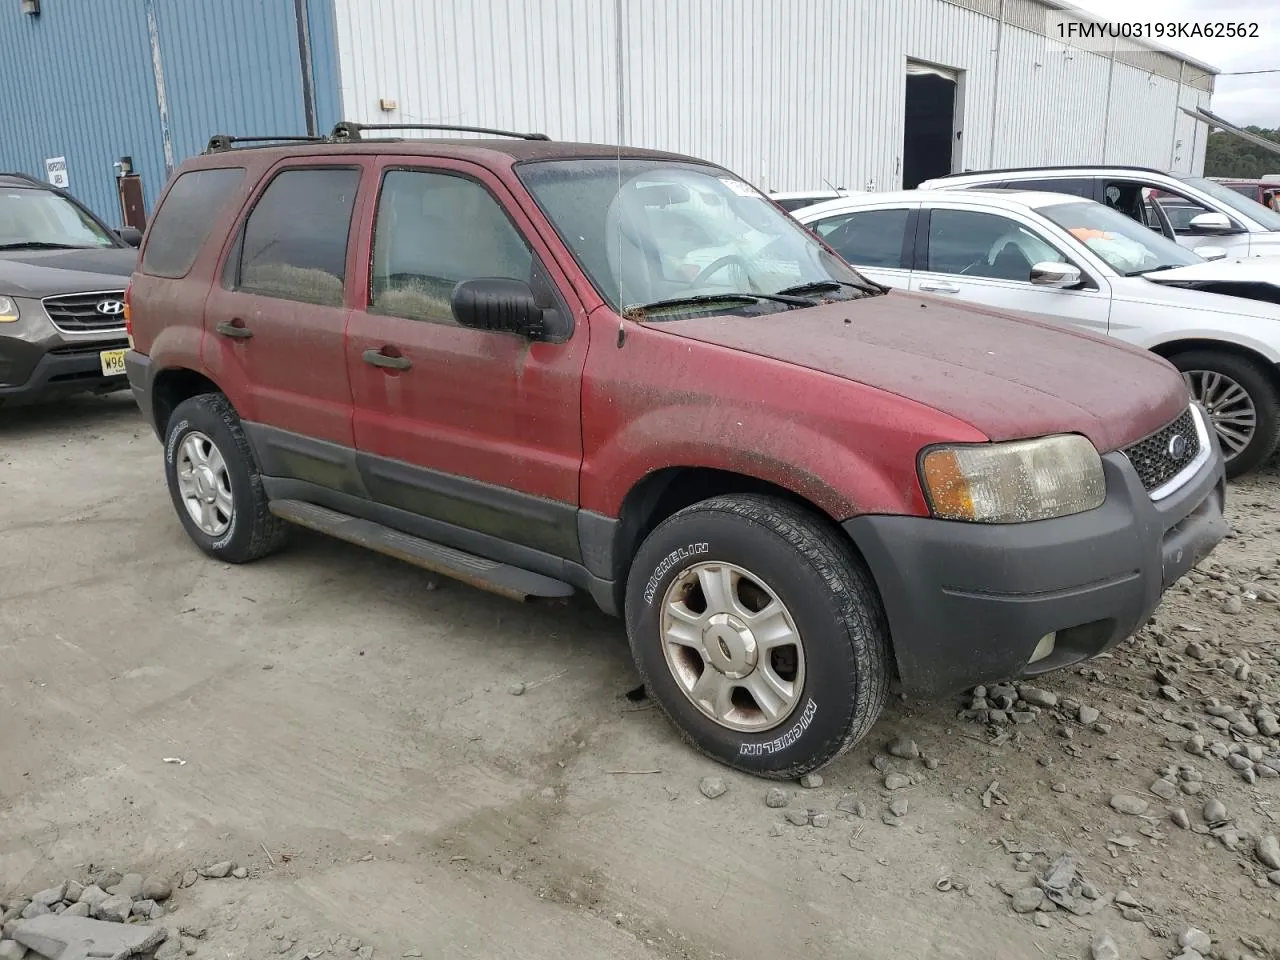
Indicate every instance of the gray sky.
{"type": "Point", "coordinates": [1241, 100]}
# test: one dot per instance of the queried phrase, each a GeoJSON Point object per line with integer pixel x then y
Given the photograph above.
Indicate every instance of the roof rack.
{"type": "Point", "coordinates": [347, 130]}
{"type": "Point", "coordinates": [221, 142]}
{"type": "Point", "coordinates": [1064, 166]}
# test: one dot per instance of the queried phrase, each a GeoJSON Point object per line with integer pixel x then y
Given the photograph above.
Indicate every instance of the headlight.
{"type": "Point", "coordinates": [1013, 482]}
{"type": "Point", "coordinates": [8, 310]}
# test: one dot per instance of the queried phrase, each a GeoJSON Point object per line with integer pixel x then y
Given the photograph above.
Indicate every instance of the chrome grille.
{"type": "Point", "coordinates": [1159, 457]}
{"type": "Point", "coordinates": [79, 312]}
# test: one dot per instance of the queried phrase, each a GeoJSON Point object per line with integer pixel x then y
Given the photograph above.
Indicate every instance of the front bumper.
{"type": "Point", "coordinates": [137, 367]}
{"type": "Point", "coordinates": [37, 361]}
{"type": "Point", "coordinates": [968, 603]}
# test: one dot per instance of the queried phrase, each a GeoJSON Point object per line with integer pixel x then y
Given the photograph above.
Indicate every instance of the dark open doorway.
{"type": "Point", "coordinates": [930, 125]}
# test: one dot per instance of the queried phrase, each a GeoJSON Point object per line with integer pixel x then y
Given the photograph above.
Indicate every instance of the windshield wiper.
{"type": "Point", "coordinates": [818, 286]}
{"type": "Point", "coordinates": [1166, 266]}
{"type": "Point", "coordinates": [41, 245]}
{"type": "Point", "coordinates": [725, 298]}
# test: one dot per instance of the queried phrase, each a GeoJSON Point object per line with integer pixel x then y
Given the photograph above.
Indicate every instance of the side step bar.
{"type": "Point", "coordinates": [488, 575]}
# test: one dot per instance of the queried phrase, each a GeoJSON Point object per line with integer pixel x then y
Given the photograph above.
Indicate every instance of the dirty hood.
{"type": "Point", "coordinates": [1253, 278]}
{"type": "Point", "coordinates": [1006, 374]}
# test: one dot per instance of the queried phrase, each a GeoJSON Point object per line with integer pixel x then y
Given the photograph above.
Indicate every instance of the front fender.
{"type": "Point", "coordinates": [836, 477]}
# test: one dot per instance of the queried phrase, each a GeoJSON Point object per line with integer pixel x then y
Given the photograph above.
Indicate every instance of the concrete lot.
{"type": "Point", "coordinates": [349, 737]}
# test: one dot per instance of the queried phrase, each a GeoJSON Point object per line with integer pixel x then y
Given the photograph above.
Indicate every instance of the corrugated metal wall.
{"type": "Point", "coordinates": [230, 66]}
{"type": "Point", "coordinates": [789, 95]}
{"type": "Point", "coordinates": [79, 85]}
{"type": "Point", "coordinates": [550, 65]}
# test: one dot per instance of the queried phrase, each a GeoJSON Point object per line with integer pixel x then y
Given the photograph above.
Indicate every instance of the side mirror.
{"type": "Point", "coordinates": [1212, 253]}
{"type": "Point", "coordinates": [496, 303]}
{"type": "Point", "coordinates": [130, 235]}
{"type": "Point", "coordinates": [1051, 273]}
{"type": "Point", "coordinates": [1210, 223]}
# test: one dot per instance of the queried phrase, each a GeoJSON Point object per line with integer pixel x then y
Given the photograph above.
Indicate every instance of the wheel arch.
{"type": "Point", "coordinates": [171, 386]}
{"type": "Point", "coordinates": [1171, 348]}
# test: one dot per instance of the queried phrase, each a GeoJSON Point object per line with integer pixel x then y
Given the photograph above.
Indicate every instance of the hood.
{"type": "Point", "coordinates": [1008, 375]}
{"type": "Point", "coordinates": [1252, 278]}
{"type": "Point", "coordinates": [48, 273]}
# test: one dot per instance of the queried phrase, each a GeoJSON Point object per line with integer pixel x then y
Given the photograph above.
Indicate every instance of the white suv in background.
{"type": "Point", "coordinates": [1079, 262]}
{"type": "Point", "coordinates": [1196, 212]}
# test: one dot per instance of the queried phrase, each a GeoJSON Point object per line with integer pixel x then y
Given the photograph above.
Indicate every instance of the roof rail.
{"type": "Point", "coordinates": [348, 130]}
{"type": "Point", "coordinates": [221, 142]}
{"type": "Point", "coordinates": [1065, 166]}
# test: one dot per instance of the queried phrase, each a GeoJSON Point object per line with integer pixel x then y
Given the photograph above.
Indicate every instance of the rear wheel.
{"type": "Point", "coordinates": [1242, 403]}
{"type": "Point", "coordinates": [214, 482]}
{"type": "Point", "coordinates": [760, 634]}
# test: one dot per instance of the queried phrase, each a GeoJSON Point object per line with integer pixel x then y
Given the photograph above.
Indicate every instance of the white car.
{"type": "Point", "coordinates": [1079, 262]}
{"type": "Point", "coordinates": [792, 200]}
{"type": "Point", "coordinates": [1194, 211]}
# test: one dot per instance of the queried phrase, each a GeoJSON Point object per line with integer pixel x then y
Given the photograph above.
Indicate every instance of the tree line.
{"type": "Point", "coordinates": [1227, 155]}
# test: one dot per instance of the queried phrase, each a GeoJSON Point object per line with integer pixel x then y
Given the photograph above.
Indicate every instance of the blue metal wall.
{"type": "Point", "coordinates": [83, 83]}
{"type": "Point", "coordinates": [79, 85]}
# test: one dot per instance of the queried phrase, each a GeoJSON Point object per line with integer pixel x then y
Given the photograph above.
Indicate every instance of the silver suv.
{"type": "Point", "coordinates": [1206, 216]}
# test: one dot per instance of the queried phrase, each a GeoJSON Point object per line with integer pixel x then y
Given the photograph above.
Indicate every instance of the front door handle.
{"type": "Point", "coordinates": [379, 358]}
{"type": "Point", "coordinates": [939, 287]}
{"type": "Point", "coordinates": [234, 328]}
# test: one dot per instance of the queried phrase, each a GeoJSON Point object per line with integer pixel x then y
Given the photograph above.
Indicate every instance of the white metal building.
{"type": "Point", "coordinates": [790, 94]}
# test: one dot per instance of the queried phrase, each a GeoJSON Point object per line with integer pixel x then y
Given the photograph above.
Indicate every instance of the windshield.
{"type": "Point", "coordinates": [1250, 208]}
{"type": "Point", "coordinates": [1127, 246]}
{"type": "Point", "coordinates": [42, 218]}
{"type": "Point", "coordinates": [646, 231]}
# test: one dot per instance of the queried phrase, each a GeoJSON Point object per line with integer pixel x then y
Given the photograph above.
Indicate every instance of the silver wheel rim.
{"type": "Point", "coordinates": [732, 646]}
{"type": "Point", "coordinates": [204, 484]}
{"type": "Point", "coordinates": [1230, 408]}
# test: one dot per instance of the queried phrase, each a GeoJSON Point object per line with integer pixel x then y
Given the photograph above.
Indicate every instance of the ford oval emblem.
{"type": "Point", "coordinates": [1177, 446]}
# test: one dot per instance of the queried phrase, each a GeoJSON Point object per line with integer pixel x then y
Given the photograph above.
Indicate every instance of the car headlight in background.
{"type": "Point", "coordinates": [8, 310]}
{"type": "Point", "coordinates": [1013, 482]}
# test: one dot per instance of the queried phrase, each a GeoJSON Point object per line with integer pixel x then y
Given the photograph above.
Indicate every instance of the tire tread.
{"type": "Point", "coordinates": [868, 656]}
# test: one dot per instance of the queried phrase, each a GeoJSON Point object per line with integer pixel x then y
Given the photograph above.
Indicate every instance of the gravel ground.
{"type": "Point", "coordinates": [352, 747]}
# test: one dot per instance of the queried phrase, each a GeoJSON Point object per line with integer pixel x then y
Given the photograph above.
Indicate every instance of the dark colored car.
{"type": "Point", "coordinates": [545, 367]}
{"type": "Point", "coordinates": [62, 278]}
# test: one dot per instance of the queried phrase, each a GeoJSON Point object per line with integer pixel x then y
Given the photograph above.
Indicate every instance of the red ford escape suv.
{"type": "Point", "coordinates": [543, 367]}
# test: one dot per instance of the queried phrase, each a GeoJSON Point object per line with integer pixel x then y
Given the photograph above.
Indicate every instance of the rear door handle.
{"type": "Point", "coordinates": [939, 287]}
{"type": "Point", "coordinates": [381, 359]}
{"type": "Point", "coordinates": [234, 328]}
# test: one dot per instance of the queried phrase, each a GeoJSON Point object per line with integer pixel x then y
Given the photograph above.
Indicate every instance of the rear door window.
{"type": "Point", "coordinates": [294, 245]}
{"type": "Point", "coordinates": [868, 238]}
{"type": "Point", "coordinates": [182, 224]}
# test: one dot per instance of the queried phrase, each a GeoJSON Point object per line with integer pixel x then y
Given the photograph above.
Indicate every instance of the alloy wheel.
{"type": "Point", "coordinates": [732, 646]}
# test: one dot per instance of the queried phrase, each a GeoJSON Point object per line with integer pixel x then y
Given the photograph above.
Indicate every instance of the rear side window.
{"type": "Point", "coordinates": [871, 238]}
{"type": "Point", "coordinates": [295, 241]}
{"type": "Point", "coordinates": [183, 222]}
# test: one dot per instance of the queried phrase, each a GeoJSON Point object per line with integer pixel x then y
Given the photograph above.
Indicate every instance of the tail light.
{"type": "Point", "coordinates": [128, 312]}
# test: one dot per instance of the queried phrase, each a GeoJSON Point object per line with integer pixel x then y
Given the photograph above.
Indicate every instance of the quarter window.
{"type": "Point", "coordinates": [295, 241]}
{"type": "Point", "coordinates": [433, 231]}
{"type": "Point", "coordinates": [869, 238]}
{"type": "Point", "coordinates": [973, 244]}
{"type": "Point", "coordinates": [183, 222]}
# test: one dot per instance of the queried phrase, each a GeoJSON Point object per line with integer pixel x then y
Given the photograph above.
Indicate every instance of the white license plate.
{"type": "Point", "coordinates": [112, 363]}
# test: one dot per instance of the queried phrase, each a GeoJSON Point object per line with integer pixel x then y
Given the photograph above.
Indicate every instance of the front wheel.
{"type": "Point", "coordinates": [1242, 403]}
{"type": "Point", "coordinates": [760, 633]}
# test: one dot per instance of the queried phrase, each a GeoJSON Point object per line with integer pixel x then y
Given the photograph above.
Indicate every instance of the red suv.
{"type": "Point", "coordinates": [545, 367]}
